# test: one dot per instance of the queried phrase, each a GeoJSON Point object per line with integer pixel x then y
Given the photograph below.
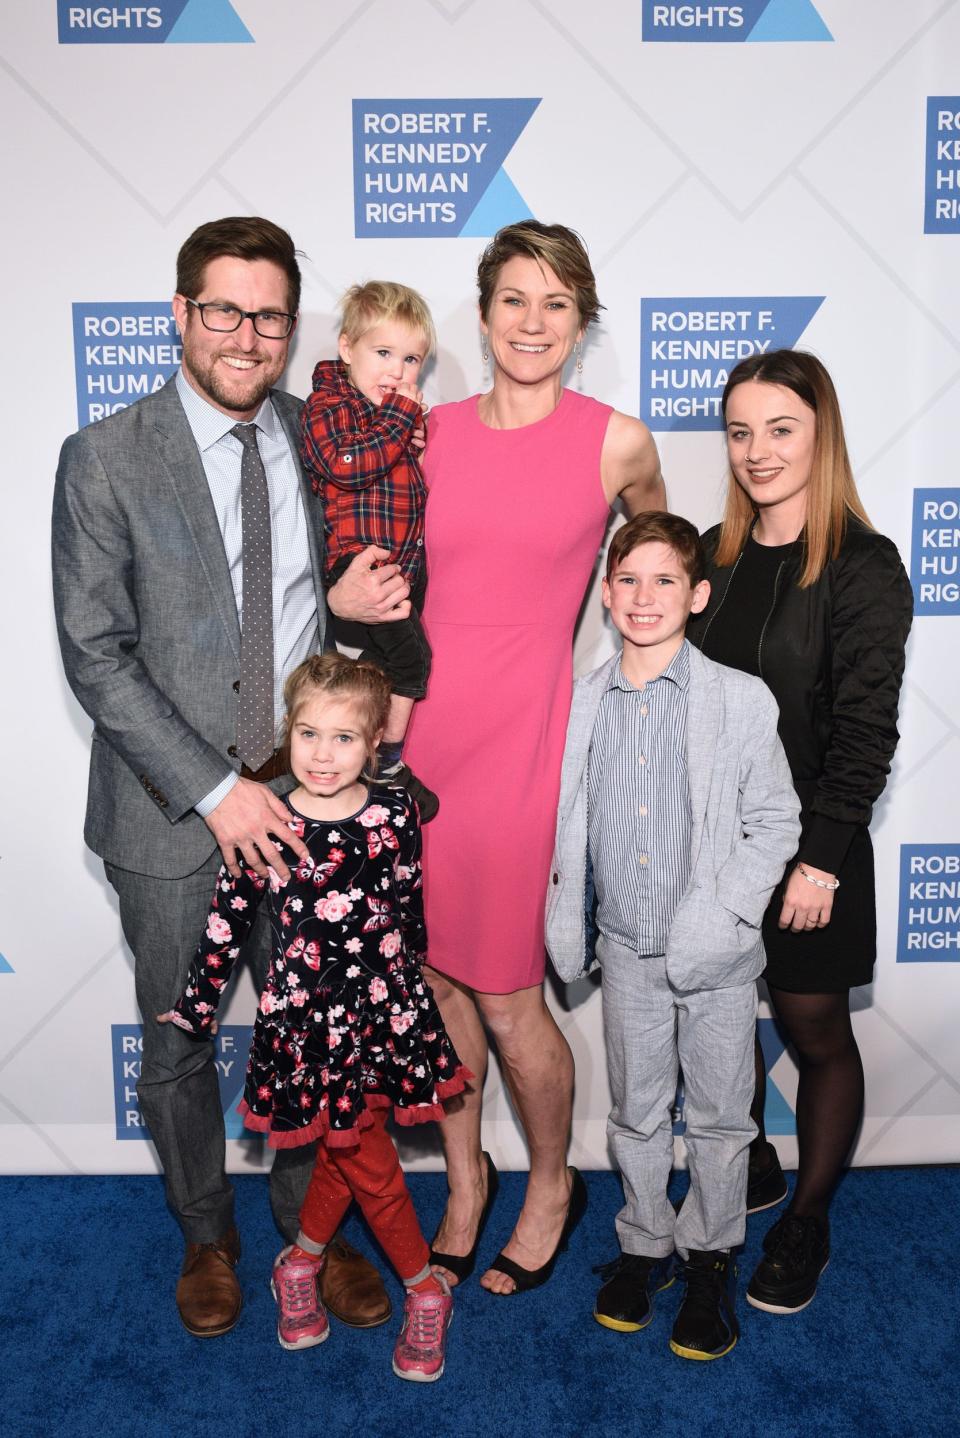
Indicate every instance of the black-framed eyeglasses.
{"type": "Point", "coordinates": [224, 319]}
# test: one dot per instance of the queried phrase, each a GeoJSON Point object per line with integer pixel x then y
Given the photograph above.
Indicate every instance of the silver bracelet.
{"type": "Point", "coordinates": [820, 883]}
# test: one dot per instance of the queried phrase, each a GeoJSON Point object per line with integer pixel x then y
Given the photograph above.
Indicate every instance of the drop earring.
{"type": "Point", "coordinates": [578, 348]}
{"type": "Point", "coordinates": [484, 352]}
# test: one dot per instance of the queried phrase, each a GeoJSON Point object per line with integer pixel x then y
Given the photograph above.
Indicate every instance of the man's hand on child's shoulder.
{"type": "Point", "coordinates": [247, 824]}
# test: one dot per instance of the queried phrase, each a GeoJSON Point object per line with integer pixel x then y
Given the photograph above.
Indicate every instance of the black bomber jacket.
{"type": "Point", "coordinates": [833, 655]}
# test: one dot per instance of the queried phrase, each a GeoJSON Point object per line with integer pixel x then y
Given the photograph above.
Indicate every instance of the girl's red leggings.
{"type": "Point", "coordinates": [371, 1174]}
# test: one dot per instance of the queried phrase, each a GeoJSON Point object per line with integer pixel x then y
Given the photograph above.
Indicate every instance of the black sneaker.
{"type": "Point", "coordinates": [766, 1185]}
{"type": "Point", "coordinates": [400, 776]}
{"type": "Point", "coordinates": [706, 1326]}
{"type": "Point", "coordinates": [625, 1301]}
{"type": "Point", "coordinates": [796, 1251]}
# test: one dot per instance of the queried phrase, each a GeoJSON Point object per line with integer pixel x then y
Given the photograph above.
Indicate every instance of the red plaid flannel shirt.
{"type": "Point", "coordinates": [361, 465]}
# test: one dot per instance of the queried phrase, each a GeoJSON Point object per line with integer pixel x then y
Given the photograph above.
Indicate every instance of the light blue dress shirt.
{"type": "Point", "coordinates": [295, 632]}
{"type": "Point", "coordinates": [638, 805]}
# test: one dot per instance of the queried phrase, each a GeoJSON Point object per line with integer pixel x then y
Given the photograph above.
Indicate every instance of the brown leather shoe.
{"type": "Point", "coordinates": [352, 1289]}
{"type": "Point", "coordinates": [208, 1294]}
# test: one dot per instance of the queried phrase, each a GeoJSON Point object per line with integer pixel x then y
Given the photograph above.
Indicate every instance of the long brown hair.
{"type": "Point", "coordinates": [832, 493]}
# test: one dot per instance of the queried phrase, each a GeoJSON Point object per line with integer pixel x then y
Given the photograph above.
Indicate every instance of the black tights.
{"type": "Point", "coordinates": [830, 1093]}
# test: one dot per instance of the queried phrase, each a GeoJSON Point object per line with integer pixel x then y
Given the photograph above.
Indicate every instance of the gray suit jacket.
{"type": "Point", "coordinates": [745, 827]}
{"type": "Point", "coordinates": [148, 627]}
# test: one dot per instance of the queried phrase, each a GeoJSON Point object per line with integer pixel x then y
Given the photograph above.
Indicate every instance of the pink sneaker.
{"type": "Point", "coordinates": [301, 1317]}
{"type": "Point", "coordinates": [421, 1343]}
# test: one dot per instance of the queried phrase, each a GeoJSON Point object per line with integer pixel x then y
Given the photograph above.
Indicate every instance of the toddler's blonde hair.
{"type": "Point", "coordinates": [364, 306]}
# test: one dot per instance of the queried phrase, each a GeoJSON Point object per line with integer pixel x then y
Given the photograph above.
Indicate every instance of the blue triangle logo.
{"type": "Point", "coordinates": [209, 22]}
{"type": "Point", "coordinates": [778, 1116]}
{"type": "Point", "coordinates": [790, 20]}
{"type": "Point", "coordinates": [771, 1042]}
{"type": "Point", "coordinates": [500, 204]}
{"type": "Point", "coordinates": [5, 968]}
{"type": "Point", "coordinates": [233, 1125]}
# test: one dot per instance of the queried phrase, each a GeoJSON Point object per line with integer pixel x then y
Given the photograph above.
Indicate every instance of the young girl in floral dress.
{"type": "Point", "coordinates": [346, 1026]}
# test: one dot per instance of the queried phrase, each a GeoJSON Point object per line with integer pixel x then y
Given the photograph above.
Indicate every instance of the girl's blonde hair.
{"type": "Point", "coordinates": [832, 493]}
{"type": "Point", "coordinates": [364, 306]}
{"type": "Point", "coordinates": [336, 677]}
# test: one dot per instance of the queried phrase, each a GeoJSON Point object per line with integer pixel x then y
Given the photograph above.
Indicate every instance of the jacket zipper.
{"type": "Point", "coordinates": [773, 605]}
{"type": "Point", "coordinates": [703, 642]}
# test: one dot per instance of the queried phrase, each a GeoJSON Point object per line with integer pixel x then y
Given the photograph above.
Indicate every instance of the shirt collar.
{"type": "Point", "coordinates": [677, 671]}
{"type": "Point", "coordinates": [333, 377]}
{"type": "Point", "coordinates": [208, 424]}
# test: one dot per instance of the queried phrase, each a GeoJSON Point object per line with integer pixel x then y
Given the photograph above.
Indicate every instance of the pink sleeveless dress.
{"type": "Point", "coordinates": [514, 522]}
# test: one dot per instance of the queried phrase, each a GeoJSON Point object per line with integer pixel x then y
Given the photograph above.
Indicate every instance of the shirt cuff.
{"type": "Point", "coordinates": [206, 806]}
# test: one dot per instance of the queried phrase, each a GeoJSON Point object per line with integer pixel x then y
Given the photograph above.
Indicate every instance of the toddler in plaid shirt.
{"type": "Point", "coordinates": [356, 445]}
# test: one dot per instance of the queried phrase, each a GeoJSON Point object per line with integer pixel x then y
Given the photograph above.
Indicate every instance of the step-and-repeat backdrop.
{"type": "Point", "coordinates": [747, 175]}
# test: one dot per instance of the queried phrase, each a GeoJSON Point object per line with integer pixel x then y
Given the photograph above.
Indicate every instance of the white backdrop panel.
{"type": "Point", "coordinates": [784, 168]}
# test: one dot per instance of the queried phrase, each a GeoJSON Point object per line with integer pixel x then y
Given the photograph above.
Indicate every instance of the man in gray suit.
{"type": "Point", "coordinates": [676, 788]}
{"type": "Point", "coordinates": [158, 511]}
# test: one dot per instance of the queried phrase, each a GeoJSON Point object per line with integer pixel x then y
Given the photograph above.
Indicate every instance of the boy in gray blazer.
{"type": "Point", "coordinates": [675, 791]}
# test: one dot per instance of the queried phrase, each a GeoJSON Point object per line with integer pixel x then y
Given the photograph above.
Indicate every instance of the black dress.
{"type": "Point", "coordinates": [833, 656]}
{"type": "Point", "coordinates": [346, 1021]}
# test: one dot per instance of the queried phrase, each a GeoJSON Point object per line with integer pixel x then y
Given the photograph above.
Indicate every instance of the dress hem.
{"type": "Point", "coordinates": [320, 1128]}
{"type": "Point", "coordinates": [500, 986]}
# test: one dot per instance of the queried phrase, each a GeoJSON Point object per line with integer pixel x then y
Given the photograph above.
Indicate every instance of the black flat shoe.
{"type": "Point", "coordinates": [461, 1265]}
{"type": "Point", "coordinates": [527, 1278]}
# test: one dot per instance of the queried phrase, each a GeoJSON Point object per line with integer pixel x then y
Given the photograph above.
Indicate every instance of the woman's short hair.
{"type": "Point", "coordinates": [656, 526]}
{"type": "Point", "coordinates": [364, 306]}
{"type": "Point", "coordinates": [334, 676]}
{"type": "Point", "coordinates": [241, 237]}
{"type": "Point", "coordinates": [832, 493]}
{"type": "Point", "coordinates": [560, 248]}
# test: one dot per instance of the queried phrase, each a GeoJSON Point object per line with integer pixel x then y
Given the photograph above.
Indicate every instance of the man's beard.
{"type": "Point", "coordinates": [244, 393]}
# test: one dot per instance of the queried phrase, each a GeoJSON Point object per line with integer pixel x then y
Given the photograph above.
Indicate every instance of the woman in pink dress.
{"type": "Point", "coordinates": [521, 482]}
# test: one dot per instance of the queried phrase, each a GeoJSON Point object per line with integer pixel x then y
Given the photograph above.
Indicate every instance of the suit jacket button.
{"type": "Point", "coordinates": [236, 686]}
{"type": "Point", "coordinates": [556, 878]}
{"type": "Point", "coordinates": [232, 750]}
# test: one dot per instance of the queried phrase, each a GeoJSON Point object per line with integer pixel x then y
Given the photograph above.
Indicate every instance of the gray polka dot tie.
{"type": "Point", "coordinates": [255, 727]}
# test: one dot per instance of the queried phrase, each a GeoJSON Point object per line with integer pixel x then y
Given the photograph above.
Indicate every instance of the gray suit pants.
{"type": "Point", "coordinates": [179, 1094]}
{"type": "Point", "coordinates": [651, 1031]}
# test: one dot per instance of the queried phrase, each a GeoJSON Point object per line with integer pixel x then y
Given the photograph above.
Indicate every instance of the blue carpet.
{"type": "Point", "coordinates": [92, 1344]}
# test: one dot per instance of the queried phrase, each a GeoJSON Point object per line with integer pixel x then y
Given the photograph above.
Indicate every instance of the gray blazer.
{"type": "Point", "coordinates": [148, 627]}
{"type": "Point", "coordinates": [745, 827]}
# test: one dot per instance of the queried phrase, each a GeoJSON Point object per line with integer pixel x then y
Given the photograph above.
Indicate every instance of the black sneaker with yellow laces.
{"type": "Point", "coordinates": [625, 1300]}
{"type": "Point", "coordinates": [706, 1326]}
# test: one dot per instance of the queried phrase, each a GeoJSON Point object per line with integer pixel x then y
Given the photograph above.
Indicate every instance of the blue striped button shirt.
{"type": "Point", "coordinates": [295, 632]}
{"type": "Point", "coordinates": [638, 803]}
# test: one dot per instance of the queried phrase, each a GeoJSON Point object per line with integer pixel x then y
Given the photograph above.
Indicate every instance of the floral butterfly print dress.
{"type": "Point", "coordinates": [346, 1019]}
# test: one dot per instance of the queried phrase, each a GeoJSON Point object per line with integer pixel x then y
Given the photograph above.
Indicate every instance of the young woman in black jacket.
{"type": "Point", "coordinates": [808, 596]}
